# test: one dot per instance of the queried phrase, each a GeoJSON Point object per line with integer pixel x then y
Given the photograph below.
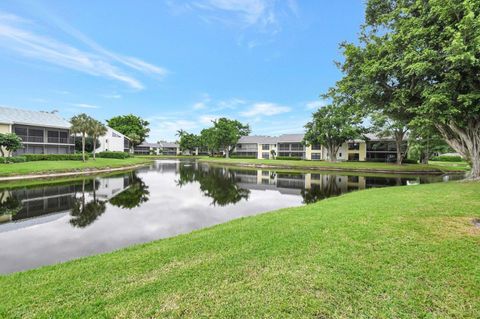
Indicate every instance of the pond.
{"type": "Point", "coordinates": [59, 221]}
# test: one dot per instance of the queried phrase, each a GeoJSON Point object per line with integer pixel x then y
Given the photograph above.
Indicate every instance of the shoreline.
{"type": "Point", "coordinates": [70, 173]}
{"type": "Point", "coordinates": [332, 168]}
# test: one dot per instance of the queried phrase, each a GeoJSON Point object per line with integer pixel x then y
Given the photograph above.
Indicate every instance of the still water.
{"type": "Point", "coordinates": [55, 222]}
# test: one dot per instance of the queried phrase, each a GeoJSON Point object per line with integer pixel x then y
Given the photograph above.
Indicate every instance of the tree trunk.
{"type": "Point", "coordinates": [399, 135]}
{"type": "Point", "coordinates": [466, 141]}
{"type": "Point", "coordinates": [83, 147]}
{"type": "Point", "coordinates": [227, 155]}
{"type": "Point", "coordinates": [94, 147]}
{"type": "Point", "coordinates": [332, 152]}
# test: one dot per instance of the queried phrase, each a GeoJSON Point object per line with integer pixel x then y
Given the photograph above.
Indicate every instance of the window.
{"type": "Point", "coordinates": [21, 131]}
{"type": "Point", "coordinates": [339, 154]}
{"type": "Point", "coordinates": [265, 147]}
{"type": "Point", "coordinates": [354, 157]}
{"type": "Point", "coordinates": [316, 156]}
{"type": "Point", "coordinates": [354, 146]}
{"type": "Point", "coordinates": [316, 147]}
{"type": "Point", "coordinates": [115, 134]}
{"type": "Point", "coordinates": [265, 155]}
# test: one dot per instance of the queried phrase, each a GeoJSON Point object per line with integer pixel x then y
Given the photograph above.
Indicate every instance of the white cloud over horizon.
{"type": "Point", "coordinates": [21, 36]}
{"type": "Point", "coordinates": [265, 109]}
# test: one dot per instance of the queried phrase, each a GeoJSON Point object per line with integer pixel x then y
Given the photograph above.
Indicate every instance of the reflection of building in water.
{"type": "Point", "coordinates": [24, 203]}
{"type": "Point", "coordinates": [287, 182]}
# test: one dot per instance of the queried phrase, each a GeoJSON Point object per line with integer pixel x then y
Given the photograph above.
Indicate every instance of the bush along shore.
{"type": "Point", "coordinates": [398, 252]}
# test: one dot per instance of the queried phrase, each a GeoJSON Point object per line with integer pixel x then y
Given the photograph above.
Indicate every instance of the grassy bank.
{"type": "Point", "coordinates": [345, 166]}
{"type": "Point", "coordinates": [41, 167]}
{"type": "Point", "coordinates": [400, 252]}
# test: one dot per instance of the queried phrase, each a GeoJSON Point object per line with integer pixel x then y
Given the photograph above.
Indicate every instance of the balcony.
{"type": "Point", "coordinates": [32, 139]}
{"type": "Point", "coordinates": [61, 140]}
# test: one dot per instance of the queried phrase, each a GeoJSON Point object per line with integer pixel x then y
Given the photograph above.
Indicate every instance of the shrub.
{"type": "Point", "coordinates": [447, 158]}
{"type": "Point", "coordinates": [288, 158]}
{"type": "Point", "coordinates": [54, 157]}
{"type": "Point", "coordinates": [16, 159]}
{"type": "Point", "coordinates": [409, 161]}
{"type": "Point", "coordinates": [119, 155]}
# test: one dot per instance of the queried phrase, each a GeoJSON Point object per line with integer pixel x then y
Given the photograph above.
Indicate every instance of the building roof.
{"type": "Point", "coordinates": [35, 118]}
{"type": "Point", "coordinates": [258, 139]}
{"type": "Point", "coordinates": [117, 132]}
{"type": "Point", "coordinates": [145, 144]}
{"type": "Point", "coordinates": [169, 144]}
{"type": "Point", "coordinates": [291, 138]}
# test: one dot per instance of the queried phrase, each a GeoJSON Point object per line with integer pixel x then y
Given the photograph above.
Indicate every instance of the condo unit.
{"type": "Point", "coordinates": [372, 148]}
{"type": "Point", "coordinates": [41, 132]}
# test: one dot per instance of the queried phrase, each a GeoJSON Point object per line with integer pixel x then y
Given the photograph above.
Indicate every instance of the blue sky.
{"type": "Point", "coordinates": [178, 64]}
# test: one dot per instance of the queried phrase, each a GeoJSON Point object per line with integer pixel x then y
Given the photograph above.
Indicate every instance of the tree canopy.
{"type": "Point", "coordinates": [10, 142]}
{"type": "Point", "coordinates": [225, 134]}
{"type": "Point", "coordinates": [81, 124]}
{"type": "Point", "coordinates": [418, 62]}
{"type": "Point", "coordinates": [331, 126]}
{"type": "Point", "coordinates": [132, 126]}
{"type": "Point", "coordinates": [188, 141]}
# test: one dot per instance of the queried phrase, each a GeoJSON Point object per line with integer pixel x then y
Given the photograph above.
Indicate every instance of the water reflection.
{"type": "Point", "coordinates": [45, 224]}
{"type": "Point", "coordinates": [217, 183]}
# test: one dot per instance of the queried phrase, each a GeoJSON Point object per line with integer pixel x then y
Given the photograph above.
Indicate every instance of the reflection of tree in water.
{"type": "Point", "coordinates": [135, 195]}
{"type": "Point", "coordinates": [321, 191]}
{"type": "Point", "coordinates": [85, 213]}
{"type": "Point", "coordinates": [9, 205]}
{"type": "Point", "coordinates": [216, 183]}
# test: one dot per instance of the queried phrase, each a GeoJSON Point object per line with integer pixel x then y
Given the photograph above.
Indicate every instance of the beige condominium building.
{"type": "Point", "coordinates": [41, 132]}
{"type": "Point", "coordinates": [373, 148]}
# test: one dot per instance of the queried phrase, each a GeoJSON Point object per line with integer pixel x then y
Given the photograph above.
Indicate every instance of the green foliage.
{"type": "Point", "coordinates": [81, 124]}
{"type": "Point", "coordinates": [188, 141]}
{"type": "Point", "coordinates": [15, 159]}
{"type": "Point", "coordinates": [331, 126]}
{"type": "Point", "coordinates": [54, 157]}
{"type": "Point", "coordinates": [119, 155]}
{"type": "Point", "coordinates": [447, 159]}
{"type": "Point", "coordinates": [88, 144]}
{"type": "Point", "coordinates": [418, 63]}
{"type": "Point", "coordinates": [96, 129]}
{"type": "Point", "coordinates": [132, 126]}
{"type": "Point", "coordinates": [10, 142]}
{"type": "Point", "coordinates": [224, 135]}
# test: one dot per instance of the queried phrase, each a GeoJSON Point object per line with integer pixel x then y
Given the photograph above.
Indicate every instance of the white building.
{"type": "Point", "coordinates": [113, 141]}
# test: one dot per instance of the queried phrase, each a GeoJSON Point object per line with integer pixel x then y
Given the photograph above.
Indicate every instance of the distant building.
{"type": "Point", "coordinates": [113, 141]}
{"type": "Point", "coordinates": [291, 145]}
{"type": "Point", "coordinates": [162, 148]}
{"type": "Point", "coordinates": [41, 132]}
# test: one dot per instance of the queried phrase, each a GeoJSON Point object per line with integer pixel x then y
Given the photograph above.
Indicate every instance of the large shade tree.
{"type": "Point", "coordinates": [188, 141]}
{"type": "Point", "coordinates": [226, 133]}
{"type": "Point", "coordinates": [419, 61]}
{"type": "Point", "coordinates": [331, 126]}
{"type": "Point", "coordinates": [9, 142]}
{"type": "Point", "coordinates": [132, 126]}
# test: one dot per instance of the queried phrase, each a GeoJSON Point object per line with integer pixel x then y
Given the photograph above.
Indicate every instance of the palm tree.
{"type": "Point", "coordinates": [96, 130]}
{"type": "Point", "coordinates": [81, 124]}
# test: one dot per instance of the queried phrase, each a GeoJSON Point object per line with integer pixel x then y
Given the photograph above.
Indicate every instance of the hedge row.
{"type": "Point", "coordinates": [54, 157]}
{"type": "Point", "coordinates": [120, 155]}
{"type": "Point", "coordinates": [447, 158]}
{"type": "Point", "coordinates": [15, 159]}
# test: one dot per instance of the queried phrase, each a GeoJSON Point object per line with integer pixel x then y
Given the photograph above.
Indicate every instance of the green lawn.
{"type": "Point", "coordinates": [400, 252]}
{"type": "Point", "coordinates": [347, 166]}
{"type": "Point", "coordinates": [39, 167]}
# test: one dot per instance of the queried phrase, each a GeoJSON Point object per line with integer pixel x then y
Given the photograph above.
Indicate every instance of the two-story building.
{"type": "Point", "coordinates": [41, 132]}
{"type": "Point", "coordinates": [257, 146]}
{"type": "Point", "coordinates": [114, 141]}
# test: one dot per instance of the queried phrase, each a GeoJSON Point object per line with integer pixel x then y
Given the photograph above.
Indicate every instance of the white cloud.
{"type": "Point", "coordinates": [86, 106]}
{"type": "Point", "coordinates": [115, 96]}
{"type": "Point", "coordinates": [263, 14]}
{"type": "Point", "coordinates": [265, 108]}
{"type": "Point", "coordinates": [314, 105]}
{"type": "Point", "coordinates": [199, 106]}
{"type": "Point", "coordinates": [100, 62]}
{"type": "Point", "coordinates": [207, 119]}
